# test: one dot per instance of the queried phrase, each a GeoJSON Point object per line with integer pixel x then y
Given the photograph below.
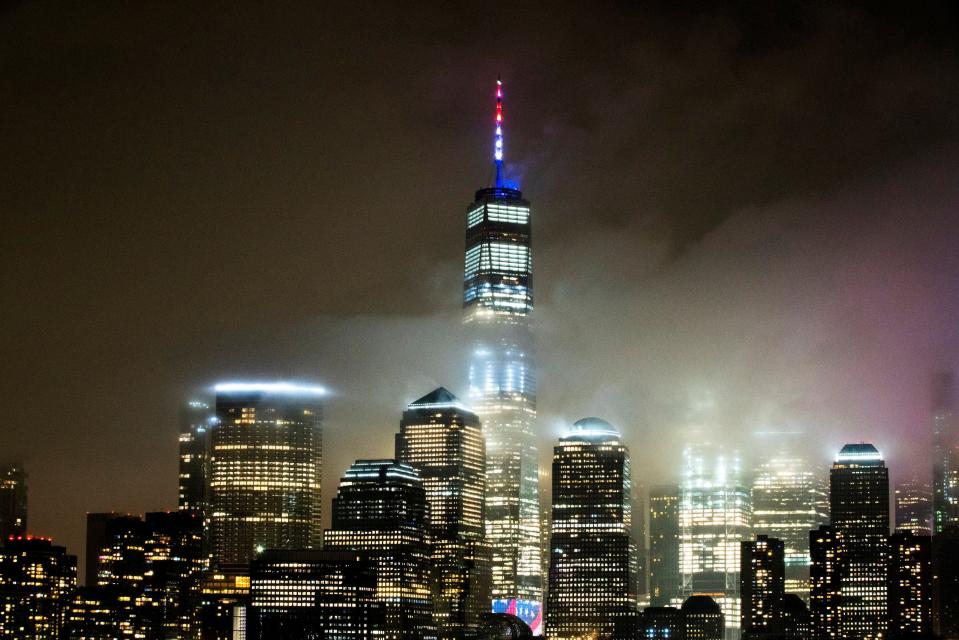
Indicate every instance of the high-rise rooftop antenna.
{"type": "Point", "coordinates": [498, 138]}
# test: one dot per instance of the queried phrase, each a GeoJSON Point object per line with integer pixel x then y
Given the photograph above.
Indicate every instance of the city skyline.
{"type": "Point", "coordinates": [126, 295]}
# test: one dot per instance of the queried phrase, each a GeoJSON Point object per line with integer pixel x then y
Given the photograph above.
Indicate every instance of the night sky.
{"type": "Point", "coordinates": [744, 219]}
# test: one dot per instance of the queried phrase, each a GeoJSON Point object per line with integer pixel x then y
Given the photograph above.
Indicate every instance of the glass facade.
{"type": "Point", "coordinates": [945, 433]}
{"type": "Point", "coordinates": [859, 506]}
{"type": "Point", "coordinates": [714, 518]}
{"type": "Point", "coordinates": [443, 441]}
{"type": "Point", "coordinates": [664, 578]}
{"type": "Point", "coordinates": [195, 419]}
{"type": "Point", "coordinates": [266, 452]}
{"type": "Point", "coordinates": [592, 579]}
{"type": "Point", "coordinates": [380, 510]}
{"type": "Point", "coordinates": [498, 304]}
{"type": "Point", "coordinates": [789, 500]}
{"type": "Point", "coordinates": [914, 507]}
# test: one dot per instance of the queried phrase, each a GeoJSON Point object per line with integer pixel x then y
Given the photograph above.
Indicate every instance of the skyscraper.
{"type": "Point", "coordinates": [914, 507]}
{"type": "Point", "coordinates": [442, 440]}
{"type": "Point", "coordinates": [591, 578]}
{"type": "Point", "coordinates": [825, 587]}
{"type": "Point", "coordinates": [37, 580]}
{"type": "Point", "coordinates": [910, 585]}
{"type": "Point", "coordinates": [664, 577]}
{"type": "Point", "coordinates": [380, 511]}
{"type": "Point", "coordinates": [790, 499]}
{"type": "Point", "coordinates": [266, 451]}
{"type": "Point", "coordinates": [498, 304]}
{"type": "Point", "coordinates": [13, 501]}
{"type": "Point", "coordinates": [195, 419]}
{"type": "Point", "coordinates": [945, 461]}
{"type": "Point", "coordinates": [945, 593]}
{"type": "Point", "coordinates": [762, 579]}
{"type": "Point", "coordinates": [714, 513]}
{"type": "Point", "coordinates": [859, 504]}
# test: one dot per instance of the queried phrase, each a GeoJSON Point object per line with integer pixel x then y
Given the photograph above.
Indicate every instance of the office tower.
{"type": "Point", "coordinates": [120, 552]}
{"type": "Point", "coordinates": [825, 590]}
{"type": "Point", "coordinates": [37, 580]}
{"type": "Point", "coordinates": [914, 507]}
{"type": "Point", "coordinates": [195, 421]}
{"type": "Point", "coordinates": [910, 585]}
{"type": "Point", "coordinates": [503, 626]}
{"type": "Point", "coordinates": [380, 511]}
{"type": "Point", "coordinates": [762, 579]}
{"type": "Point", "coordinates": [789, 500]}
{"type": "Point", "coordinates": [265, 464]}
{"type": "Point", "coordinates": [224, 601]}
{"type": "Point", "coordinates": [945, 460]}
{"type": "Point", "coordinates": [714, 513]}
{"type": "Point", "coordinates": [175, 560]}
{"type": "Point", "coordinates": [313, 595]}
{"type": "Point", "coordinates": [665, 580]}
{"type": "Point", "coordinates": [13, 501]}
{"type": "Point", "coordinates": [638, 536]}
{"type": "Point", "coordinates": [859, 504]}
{"type": "Point", "coordinates": [703, 619]}
{"type": "Point", "coordinates": [442, 440]}
{"type": "Point", "coordinates": [945, 582]}
{"type": "Point", "coordinates": [591, 581]}
{"type": "Point", "coordinates": [498, 305]}
{"type": "Point", "coordinates": [662, 623]}
{"type": "Point", "coordinates": [794, 619]}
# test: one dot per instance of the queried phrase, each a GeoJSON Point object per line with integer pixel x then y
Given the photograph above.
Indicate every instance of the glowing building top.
{"type": "Point", "coordinates": [592, 429]}
{"type": "Point", "coordinates": [498, 138]}
{"type": "Point", "coordinates": [859, 455]}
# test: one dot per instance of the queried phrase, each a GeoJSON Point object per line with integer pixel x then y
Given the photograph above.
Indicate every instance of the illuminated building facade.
{"type": "Point", "coordinates": [443, 441]}
{"type": "Point", "coordinates": [714, 518]}
{"type": "Point", "coordinates": [37, 580]}
{"type": "Point", "coordinates": [665, 581]}
{"type": "Point", "coordinates": [859, 506]}
{"type": "Point", "coordinates": [825, 588]}
{"type": "Point", "coordinates": [591, 576]}
{"type": "Point", "coordinates": [265, 462]}
{"type": "Point", "coordinates": [762, 579]}
{"type": "Point", "coordinates": [380, 511]}
{"type": "Point", "coordinates": [914, 507]}
{"type": "Point", "coordinates": [195, 421]}
{"type": "Point", "coordinates": [945, 464]}
{"type": "Point", "coordinates": [313, 595]}
{"type": "Point", "coordinates": [910, 585]}
{"type": "Point", "coordinates": [498, 305]}
{"type": "Point", "coordinates": [789, 500]}
{"type": "Point", "coordinates": [13, 501]}
{"type": "Point", "coordinates": [175, 560]}
{"type": "Point", "coordinates": [662, 623]}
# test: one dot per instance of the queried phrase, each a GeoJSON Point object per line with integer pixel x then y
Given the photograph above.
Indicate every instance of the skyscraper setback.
{"type": "Point", "coordinates": [498, 305]}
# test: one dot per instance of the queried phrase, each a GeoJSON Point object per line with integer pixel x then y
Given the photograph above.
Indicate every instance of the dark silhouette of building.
{"type": "Point", "coordinates": [859, 505]}
{"type": "Point", "coordinates": [762, 579]}
{"type": "Point", "coordinates": [13, 501]}
{"type": "Point", "coordinates": [945, 464]}
{"type": "Point", "coordinates": [795, 623]}
{"type": "Point", "coordinates": [662, 623]}
{"type": "Point", "coordinates": [503, 626]}
{"type": "Point", "coordinates": [498, 307]}
{"type": "Point", "coordinates": [825, 591]}
{"type": "Point", "coordinates": [313, 595]}
{"type": "Point", "coordinates": [442, 440]}
{"type": "Point", "coordinates": [910, 585]}
{"type": "Point", "coordinates": [380, 511]}
{"type": "Point", "coordinates": [945, 569]}
{"type": "Point", "coordinates": [702, 619]}
{"type": "Point", "coordinates": [664, 577]}
{"type": "Point", "coordinates": [591, 581]}
{"type": "Point", "coordinates": [196, 417]}
{"type": "Point", "coordinates": [265, 461]}
{"type": "Point", "coordinates": [37, 580]}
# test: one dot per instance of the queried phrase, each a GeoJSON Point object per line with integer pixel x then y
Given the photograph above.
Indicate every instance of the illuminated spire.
{"type": "Point", "coordinates": [498, 138]}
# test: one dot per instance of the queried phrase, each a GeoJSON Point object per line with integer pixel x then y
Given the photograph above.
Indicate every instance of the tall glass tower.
{"type": "Point", "coordinates": [945, 464]}
{"type": "Point", "coordinates": [498, 303]}
{"type": "Point", "coordinates": [265, 460]}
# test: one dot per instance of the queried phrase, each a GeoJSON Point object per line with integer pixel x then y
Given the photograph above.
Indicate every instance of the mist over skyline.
{"type": "Point", "coordinates": [730, 203]}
